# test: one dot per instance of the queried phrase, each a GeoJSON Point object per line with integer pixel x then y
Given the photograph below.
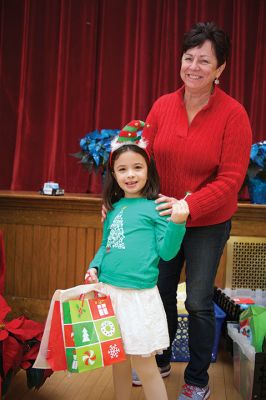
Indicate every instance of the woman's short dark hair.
{"type": "Point", "coordinates": [203, 31]}
{"type": "Point", "coordinates": [111, 190]}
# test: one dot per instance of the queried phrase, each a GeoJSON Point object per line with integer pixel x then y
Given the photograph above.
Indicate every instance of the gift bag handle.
{"type": "Point", "coordinates": [77, 291]}
{"type": "Point", "coordinates": [96, 295]}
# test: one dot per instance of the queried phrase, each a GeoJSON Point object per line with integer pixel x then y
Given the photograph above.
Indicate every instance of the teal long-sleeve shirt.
{"type": "Point", "coordinates": [135, 236]}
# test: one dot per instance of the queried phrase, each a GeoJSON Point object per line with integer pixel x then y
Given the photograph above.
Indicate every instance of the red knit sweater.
{"type": "Point", "coordinates": [208, 158]}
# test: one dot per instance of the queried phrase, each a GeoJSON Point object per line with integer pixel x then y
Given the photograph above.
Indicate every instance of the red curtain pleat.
{"type": "Point", "coordinates": [68, 67]}
{"type": "Point", "coordinates": [257, 93]}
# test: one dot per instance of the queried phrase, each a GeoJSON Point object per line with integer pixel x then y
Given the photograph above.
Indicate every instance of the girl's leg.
{"type": "Point", "coordinates": [122, 379]}
{"type": "Point", "coordinates": [151, 379]}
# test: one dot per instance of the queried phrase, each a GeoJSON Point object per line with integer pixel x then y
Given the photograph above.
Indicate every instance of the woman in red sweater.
{"type": "Point", "coordinates": [200, 138]}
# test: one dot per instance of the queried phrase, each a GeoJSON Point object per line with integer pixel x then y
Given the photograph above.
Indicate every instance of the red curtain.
{"type": "Point", "coordinates": [68, 67]}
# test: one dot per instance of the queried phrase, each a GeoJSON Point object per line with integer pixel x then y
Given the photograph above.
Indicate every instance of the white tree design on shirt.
{"type": "Point", "coordinates": [116, 236]}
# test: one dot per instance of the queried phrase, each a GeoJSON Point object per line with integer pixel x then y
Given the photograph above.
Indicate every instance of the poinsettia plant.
{"type": "Point", "coordinates": [257, 164]}
{"type": "Point", "coordinates": [19, 345]}
{"type": "Point", "coordinates": [256, 174]}
{"type": "Point", "coordinates": [95, 149]}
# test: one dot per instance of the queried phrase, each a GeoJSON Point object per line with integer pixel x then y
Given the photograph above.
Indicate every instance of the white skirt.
{"type": "Point", "coordinates": [141, 317]}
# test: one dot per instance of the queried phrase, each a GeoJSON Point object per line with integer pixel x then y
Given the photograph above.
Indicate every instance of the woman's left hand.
{"type": "Point", "coordinates": [165, 204]}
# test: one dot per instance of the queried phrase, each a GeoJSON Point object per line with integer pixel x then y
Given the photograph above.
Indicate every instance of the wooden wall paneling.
{"type": "Point", "coordinates": [249, 227]}
{"type": "Point", "coordinates": [80, 256]}
{"type": "Point", "coordinates": [11, 257]}
{"type": "Point", "coordinates": [98, 238]}
{"type": "Point", "coordinates": [71, 257]}
{"type": "Point", "coordinates": [90, 245]}
{"type": "Point", "coordinates": [27, 260]}
{"type": "Point", "coordinates": [35, 273]}
{"type": "Point", "coordinates": [9, 235]}
{"type": "Point", "coordinates": [18, 267]}
{"type": "Point", "coordinates": [44, 260]}
{"type": "Point", "coordinates": [62, 258]}
{"type": "Point", "coordinates": [53, 263]}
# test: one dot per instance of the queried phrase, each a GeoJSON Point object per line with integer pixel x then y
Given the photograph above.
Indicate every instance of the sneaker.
{"type": "Point", "coordinates": [190, 392]}
{"type": "Point", "coordinates": [164, 371]}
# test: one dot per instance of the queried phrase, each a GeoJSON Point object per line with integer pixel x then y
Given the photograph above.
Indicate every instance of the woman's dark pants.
{"type": "Point", "coordinates": [201, 250]}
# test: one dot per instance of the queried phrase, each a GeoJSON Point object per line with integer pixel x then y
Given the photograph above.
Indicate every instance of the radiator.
{"type": "Point", "coordinates": [246, 262]}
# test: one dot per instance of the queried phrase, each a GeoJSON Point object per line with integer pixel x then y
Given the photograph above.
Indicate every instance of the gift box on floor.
{"type": "Point", "coordinates": [249, 366]}
{"type": "Point", "coordinates": [180, 351]}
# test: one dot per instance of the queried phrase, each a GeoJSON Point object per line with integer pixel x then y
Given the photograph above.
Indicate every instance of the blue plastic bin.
{"type": "Point", "coordinates": [180, 351]}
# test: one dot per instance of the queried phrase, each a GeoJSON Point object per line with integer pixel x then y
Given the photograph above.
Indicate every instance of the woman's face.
{"type": "Point", "coordinates": [130, 172]}
{"type": "Point", "coordinates": [199, 67]}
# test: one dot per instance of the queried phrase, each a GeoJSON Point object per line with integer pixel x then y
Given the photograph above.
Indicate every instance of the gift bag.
{"type": "Point", "coordinates": [81, 334]}
{"type": "Point", "coordinates": [91, 334]}
{"type": "Point", "coordinates": [252, 323]}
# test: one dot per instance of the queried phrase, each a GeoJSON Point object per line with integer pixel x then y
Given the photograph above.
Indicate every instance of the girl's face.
{"type": "Point", "coordinates": [130, 172]}
{"type": "Point", "coordinates": [199, 67]}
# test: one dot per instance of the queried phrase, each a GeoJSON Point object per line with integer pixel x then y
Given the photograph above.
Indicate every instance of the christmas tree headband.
{"type": "Point", "coordinates": [130, 135]}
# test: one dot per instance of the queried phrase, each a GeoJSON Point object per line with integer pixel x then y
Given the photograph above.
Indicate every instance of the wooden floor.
{"type": "Point", "coordinates": [97, 385]}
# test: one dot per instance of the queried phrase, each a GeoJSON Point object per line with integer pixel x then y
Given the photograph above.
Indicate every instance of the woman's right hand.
{"type": "Point", "coordinates": [91, 276]}
{"type": "Point", "coordinates": [104, 213]}
{"type": "Point", "coordinates": [165, 204]}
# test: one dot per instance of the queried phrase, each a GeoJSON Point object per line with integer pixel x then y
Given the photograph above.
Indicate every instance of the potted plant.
{"type": "Point", "coordinates": [95, 149]}
{"type": "Point", "coordinates": [256, 174]}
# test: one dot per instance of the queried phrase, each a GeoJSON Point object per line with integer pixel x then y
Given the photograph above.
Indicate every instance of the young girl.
{"type": "Point", "coordinates": [135, 236]}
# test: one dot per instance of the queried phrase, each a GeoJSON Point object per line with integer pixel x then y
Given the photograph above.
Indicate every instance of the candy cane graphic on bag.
{"type": "Point", "coordinates": [89, 357]}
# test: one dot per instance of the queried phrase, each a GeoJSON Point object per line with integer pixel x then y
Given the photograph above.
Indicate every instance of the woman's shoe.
{"type": "Point", "coordinates": [190, 392]}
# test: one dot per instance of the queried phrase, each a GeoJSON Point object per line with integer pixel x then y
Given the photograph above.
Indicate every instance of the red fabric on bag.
{"type": "Point", "coordinates": [56, 356]}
